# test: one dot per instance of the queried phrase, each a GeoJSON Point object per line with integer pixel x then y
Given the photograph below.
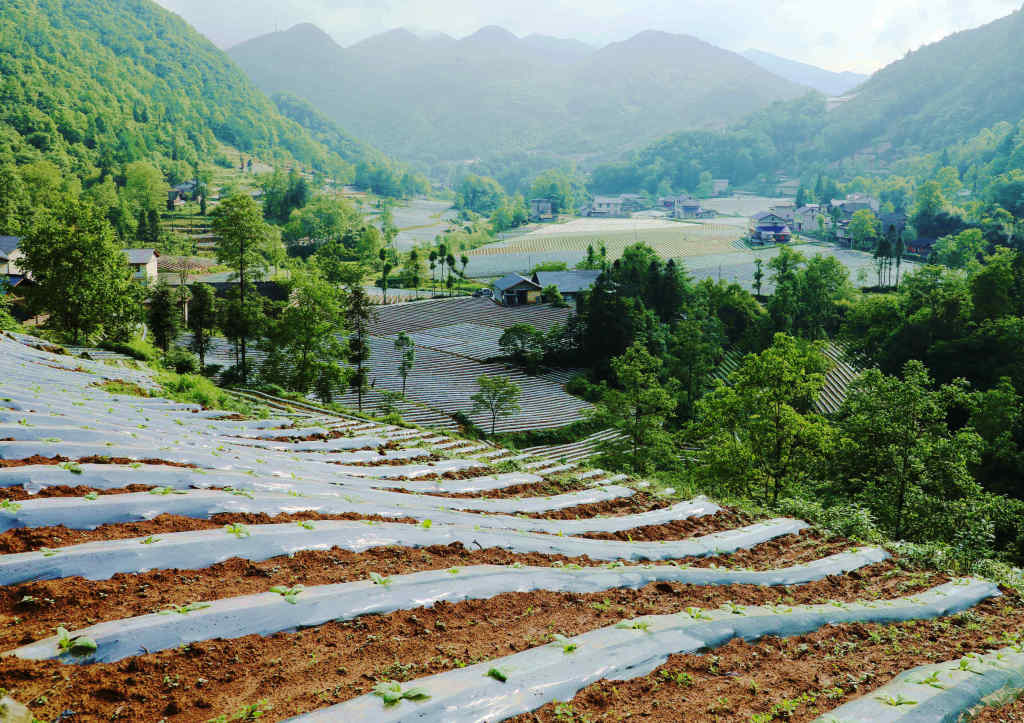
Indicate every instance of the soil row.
{"type": "Point", "coordinates": [304, 670]}
{"type": "Point", "coordinates": [794, 679]}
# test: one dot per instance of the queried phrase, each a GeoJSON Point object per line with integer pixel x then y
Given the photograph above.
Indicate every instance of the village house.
{"type": "Point", "coordinates": [805, 218]}
{"type": "Point", "coordinates": [768, 227]}
{"type": "Point", "coordinates": [686, 207]}
{"type": "Point", "coordinates": [181, 193]}
{"type": "Point", "coordinates": [632, 202]}
{"type": "Point", "coordinates": [144, 264]}
{"type": "Point", "coordinates": [606, 207]}
{"type": "Point", "coordinates": [786, 211]}
{"type": "Point", "coordinates": [9, 255]}
{"type": "Point", "coordinates": [570, 284]}
{"type": "Point", "coordinates": [920, 247]}
{"type": "Point", "coordinates": [541, 209]}
{"type": "Point", "coordinates": [516, 290]}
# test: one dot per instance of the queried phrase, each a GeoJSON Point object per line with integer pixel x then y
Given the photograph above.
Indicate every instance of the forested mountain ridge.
{"type": "Point", "coordinates": [92, 85]}
{"type": "Point", "coordinates": [438, 98]}
{"type": "Point", "coordinates": [937, 95]}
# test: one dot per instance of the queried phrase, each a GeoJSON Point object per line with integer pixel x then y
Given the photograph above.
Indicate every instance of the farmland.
{"type": "Point", "coordinates": [309, 566]}
{"type": "Point", "coordinates": [454, 340]}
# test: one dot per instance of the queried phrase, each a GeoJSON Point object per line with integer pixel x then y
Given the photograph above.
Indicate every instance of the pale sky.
{"type": "Point", "coordinates": [861, 35]}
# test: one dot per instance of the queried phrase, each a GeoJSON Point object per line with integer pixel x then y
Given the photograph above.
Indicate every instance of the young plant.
{"type": "Point", "coordinates": [932, 680]}
{"type": "Point", "coordinates": [379, 579]}
{"type": "Point", "coordinates": [392, 694]}
{"type": "Point", "coordinates": [48, 552]}
{"type": "Point", "coordinates": [149, 540]}
{"type": "Point", "coordinates": [237, 529]}
{"type": "Point", "coordinates": [498, 675]}
{"type": "Point", "coordinates": [306, 525]}
{"type": "Point", "coordinates": [288, 593]}
{"type": "Point", "coordinates": [8, 506]}
{"type": "Point", "coordinates": [184, 609]}
{"type": "Point", "coordinates": [92, 496]}
{"type": "Point", "coordinates": [897, 700]}
{"type": "Point", "coordinates": [641, 625]}
{"type": "Point", "coordinates": [166, 491]}
{"type": "Point", "coordinates": [426, 524]}
{"type": "Point", "coordinates": [72, 468]}
{"type": "Point", "coordinates": [567, 645]}
{"type": "Point", "coordinates": [79, 647]}
{"type": "Point", "coordinates": [697, 614]}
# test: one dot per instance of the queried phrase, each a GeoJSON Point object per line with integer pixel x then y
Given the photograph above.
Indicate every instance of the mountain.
{"type": "Point", "coordinates": [823, 81]}
{"type": "Point", "coordinates": [430, 98]}
{"type": "Point", "coordinates": [935, 96]}
{"type": "Point", "coordinates": [92, 85]}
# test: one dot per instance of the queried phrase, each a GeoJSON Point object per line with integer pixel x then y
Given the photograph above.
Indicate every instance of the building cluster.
{"type": "Point", "coordinates": [519, 290]}
{"type": "Point", "coordinates": [780, 222]}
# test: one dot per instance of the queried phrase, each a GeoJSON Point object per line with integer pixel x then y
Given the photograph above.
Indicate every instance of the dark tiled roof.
{"type": "Point", "coordinates": [8, 244]}
{"type": "Point", "coordinates": [507, 282]}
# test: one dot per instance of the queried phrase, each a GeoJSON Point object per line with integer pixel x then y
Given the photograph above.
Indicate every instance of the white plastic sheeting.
{"type": "Point", "coordinates": [268, 613]}
{"type": "Point", "coordinates": [940, 693]}
{"type": "Point", "coordinates": [192, 550]}
{"type": "Point", "coordinates": [540, 675]}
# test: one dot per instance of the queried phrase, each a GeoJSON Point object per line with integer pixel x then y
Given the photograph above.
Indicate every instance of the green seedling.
{"type": "Point", "coordinates": [239, 493]}
{"type": "Point", "coordinates": [238, 530]}
{"type": "Point", "coordinates": [72, 468]}
{"type": "Point", "coordinates": [48, 552]}
{"type": "Point", "coordinates": [896, 701]}
{"type": "Point", "coordinates": [306, 525]}
{"type": "Point", "coordinates": [498, 675]}
{"type": "Point", "coordinates": [151, 540]}
{"type": "Point", "coordinates": [697, 614]}
{"type": "Point", "coordinates": [166, 491]}
{"type": "Point", "coordinates": [567, 645]}
{"type": "Point", "coordinates": [733, 608]}
{"type": "Point", "coordinates": [79, 647]}
{"type": "Point", "coordinates": [454, 571]}
{"type": "Point", "coordinates": [964, 666]}
{"type": "Point", "coordinates": [8, 506]}
{"type": "Point", "coordinates": [184, 609]}
{"type": "Point", "coordinates": [392, 694]}
{"type": "Point", "coordinates": [379, 579]}
{"type": "Point", "coordinates": [932, 680]}
{"type": "Point", "coordinates": [426, 524]}
{"type": "Point", "coordinates": [634, 625]}
{"type": "Point", "coordinates": [92, 496]}
{"type": "Point", "coordinates": [603, 606]}
{"type": "Point", "coordinates": [288, 593]}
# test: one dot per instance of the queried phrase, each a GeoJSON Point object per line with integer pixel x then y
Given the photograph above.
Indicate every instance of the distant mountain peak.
{"type": "Point", "coordinates": [492, 34]}
{"type": "Point", "coordinates": [824, 81]}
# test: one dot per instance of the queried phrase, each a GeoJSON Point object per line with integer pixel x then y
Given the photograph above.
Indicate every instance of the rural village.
{"type": "Point", "coordinates": [355, 374]}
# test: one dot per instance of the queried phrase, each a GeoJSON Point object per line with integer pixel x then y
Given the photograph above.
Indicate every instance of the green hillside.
{"type": "Point", "coordinates": [441, 99]}
{"type": "Point", "coordinates": [936, 95]}
{"type": "Point", "coordinates": [92, 85]}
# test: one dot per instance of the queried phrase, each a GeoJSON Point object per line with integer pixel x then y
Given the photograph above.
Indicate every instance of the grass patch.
{"type": "Point", "coordinates": [194, 389]}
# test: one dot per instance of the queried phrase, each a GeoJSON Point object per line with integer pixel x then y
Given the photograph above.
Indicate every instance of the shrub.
{"type": "Point", "coordinates": [182, 361]}
{"type": "Point", "coordinates": [136, 349]}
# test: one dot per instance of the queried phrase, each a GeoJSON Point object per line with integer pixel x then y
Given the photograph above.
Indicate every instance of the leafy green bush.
{"type": "Point", "coordinates": [182, 361]}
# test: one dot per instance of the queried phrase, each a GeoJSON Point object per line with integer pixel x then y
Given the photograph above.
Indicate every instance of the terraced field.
{"type": "Point", "coordinates": [164, 562]}
{"type": "Point", "coordinates": [453, 339]}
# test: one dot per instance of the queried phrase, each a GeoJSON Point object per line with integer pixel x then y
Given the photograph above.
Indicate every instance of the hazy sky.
{"type": "Point", "coordinates": [835, 34]}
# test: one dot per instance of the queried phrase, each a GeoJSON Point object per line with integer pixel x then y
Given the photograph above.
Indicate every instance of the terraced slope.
{"type": "Point", "coordinates": [164, 562]}
{"type": "Point", "coordinates": [454, 338]}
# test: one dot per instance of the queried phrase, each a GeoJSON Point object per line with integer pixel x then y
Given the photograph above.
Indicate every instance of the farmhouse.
{"type": "Point", "coordinates": [144, 264]}
{"type": "Point", "coordinates": [516, 290]}
{"type": "Point", "coordinates": [606, 206]}
{"type": "Point", "coordinates": [805, 218]}
{"type": "Point", "coordinates": [686, 207]}
{"type": "Point", "coordinates": [570, 284]}
{"type": "Point", "coordinates": [920, 246]}
{"type": "Point", "coordinates": [768, 227]}
{"type": "Point", "coordinates": [632, 202]}
{"type": "Point", "coordinates": [9, 255]}
{"type": "Point", "coordinates": [541, 209]}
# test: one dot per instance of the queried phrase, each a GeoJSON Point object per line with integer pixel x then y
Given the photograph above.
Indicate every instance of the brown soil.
{"type": "Point", "coordinates": [18, 493]}
{"type": "Point", "coordinates": [535, 489]}
{"type": "Point", "coordinates": [95, 459]}
{"type": "Point", "coordinates": [301, 671]}
{"type": "Point", "coordinates": [677, 529]}
{"type": "Point", "coordinates": [610, 508]}
{"type": "Point", "coordinates": [28, 539]}
{"type": "Point", "coordinates": [1009, 713]}
{"type": "Point", "coordinates": [812, 673]}
{"type": "Point", "coordinates": [78, 602]}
